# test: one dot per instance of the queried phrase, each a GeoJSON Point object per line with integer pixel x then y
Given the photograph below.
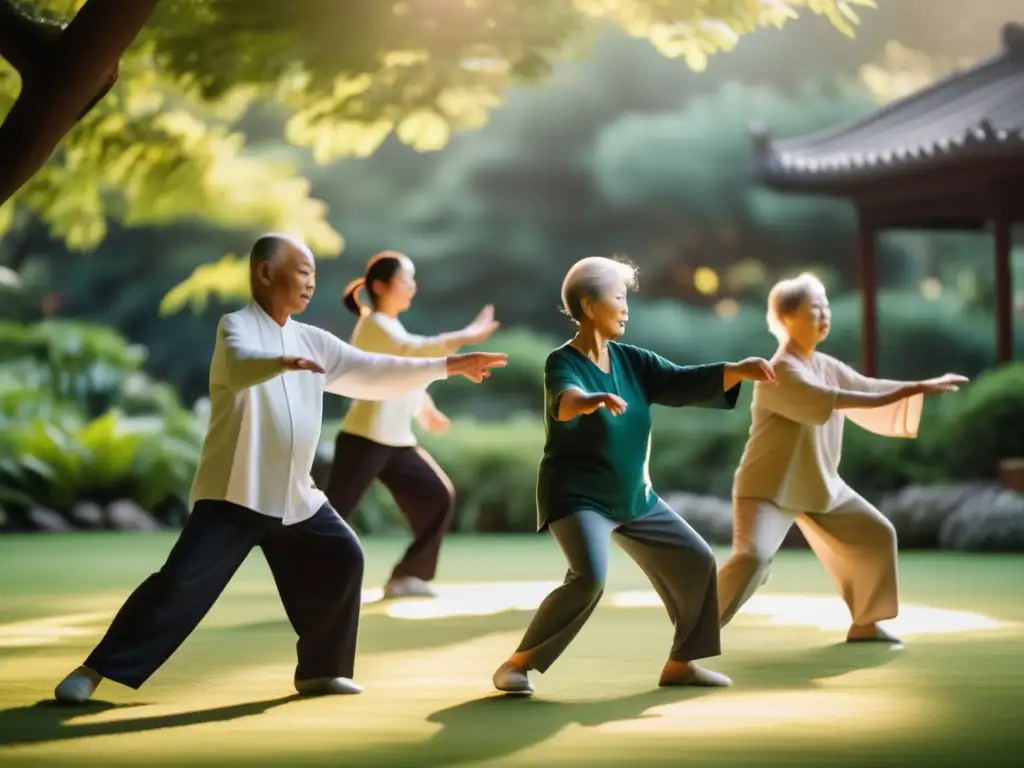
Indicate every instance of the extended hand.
{"type": "Point", "coordinates": [300, 364]}
{"type": "Point", "coordinates": [750, 369]}
{"type": "Point", "coordinates": [475, 366]}
{"type": "Point", "coordinates": [483, 326]}
{"type": "Point", "coordinates": [946, 383]}
{"type": "Point", "coordinates": [615, 404]}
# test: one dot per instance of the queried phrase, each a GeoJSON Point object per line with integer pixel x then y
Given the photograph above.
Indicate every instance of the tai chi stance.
{"type": "Point", "coordinates": [593, 481]}
{"type": "Point", "coordinates": [789, 469]}
{"type": "Point", "coordinates": [376, 440]}
{"type": "Point", "coordinates": [253, 486]}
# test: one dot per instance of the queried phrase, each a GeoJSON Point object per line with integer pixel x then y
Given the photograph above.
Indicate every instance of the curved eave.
{"type": "Point", "coordinates": [793, 169]}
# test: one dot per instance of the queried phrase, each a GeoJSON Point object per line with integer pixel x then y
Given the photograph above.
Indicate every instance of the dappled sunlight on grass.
{"type": "Point", "coordinates": [823, 613]}
{"type": "Point", "coordinates": [226, 696]}
{"type": "Point", "coordinates": [830, 614]}
{"type": "Point", "coordinates": [52, 629]}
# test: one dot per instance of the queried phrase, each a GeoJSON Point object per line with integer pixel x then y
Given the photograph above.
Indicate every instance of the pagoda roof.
{"type": "Point", "coordinates": [973, 118]}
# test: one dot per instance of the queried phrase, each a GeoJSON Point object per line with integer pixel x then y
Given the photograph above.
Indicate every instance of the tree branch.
{"type": "Point", "coordinates": [78, 73]}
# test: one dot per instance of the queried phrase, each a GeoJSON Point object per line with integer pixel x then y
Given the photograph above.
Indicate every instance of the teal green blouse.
{"type": "Point", "coordinates": [600, 461]}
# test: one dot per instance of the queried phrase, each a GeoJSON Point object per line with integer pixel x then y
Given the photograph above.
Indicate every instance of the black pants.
{"type": "Point", "coordinates": [421, 489]}
{"type": "Point", "coordinates": [317, 565]}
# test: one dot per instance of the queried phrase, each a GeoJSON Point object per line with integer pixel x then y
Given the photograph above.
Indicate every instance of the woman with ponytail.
{"type": "Point", "coordinates": [376, 441]}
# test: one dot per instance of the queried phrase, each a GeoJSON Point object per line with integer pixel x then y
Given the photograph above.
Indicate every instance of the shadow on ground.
{"type": "Point", "coordinates": [48, 721]}
{"type": "Point", "coordinates": [497, 726]}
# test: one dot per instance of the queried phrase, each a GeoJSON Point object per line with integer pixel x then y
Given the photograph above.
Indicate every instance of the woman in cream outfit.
{"type": "Point", "coordinates": [789, 469]}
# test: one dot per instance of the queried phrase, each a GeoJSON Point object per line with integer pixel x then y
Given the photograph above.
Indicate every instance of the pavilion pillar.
{"type": "Point", "coordinates": [866, 241]}
{"type": "Point", "coordinates": [1003, 290]}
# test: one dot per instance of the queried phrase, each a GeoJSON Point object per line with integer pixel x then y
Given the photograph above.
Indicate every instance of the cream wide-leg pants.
{"type": "Point", "coordinates": [853, 541]}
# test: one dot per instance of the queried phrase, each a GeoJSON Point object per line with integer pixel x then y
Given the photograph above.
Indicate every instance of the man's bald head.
{"type": "Point", "coordinates": [271, 246]}
{"type": "Point", "coordinates": [282, 272]}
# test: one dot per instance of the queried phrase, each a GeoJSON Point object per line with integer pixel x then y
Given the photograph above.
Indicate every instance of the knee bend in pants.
{"type": "Point", "coordinates": [349, 554]}
{"type": "Point", "coordinates": [589, 584]}
{"type": "Point", "coordinates": [754, 561]}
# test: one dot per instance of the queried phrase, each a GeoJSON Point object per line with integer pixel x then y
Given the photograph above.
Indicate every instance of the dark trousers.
{"type": "Point", "coordinates": [422, 490]}
{"type": "Point", "coordinates": [317, 565]}
{"type": "Point", "coordinates": [678, 562]}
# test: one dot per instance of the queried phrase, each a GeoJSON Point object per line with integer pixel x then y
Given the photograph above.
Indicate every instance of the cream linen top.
{"type": "Point", "coordinates": [389, 422]}
{"type": "Point", "coordinates": [796, 433]}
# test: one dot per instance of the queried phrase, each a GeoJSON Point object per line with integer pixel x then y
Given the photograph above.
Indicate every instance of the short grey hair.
{"type": "Point", "coordinates": [269, 246]}
{"type": "Point", "coordinates": [785, 299]}
{"type": "Point", "coordinates": [592, 278]}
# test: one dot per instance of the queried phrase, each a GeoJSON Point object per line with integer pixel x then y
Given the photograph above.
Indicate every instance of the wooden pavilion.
{"type": "Point", "coordinates": [949, 157]}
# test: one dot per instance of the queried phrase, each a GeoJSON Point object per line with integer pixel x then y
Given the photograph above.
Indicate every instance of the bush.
{"type": "Point", "coordinates": [986, 426]}
{"type": "Point", "coordinates": [54, 465]}
{"type": "Point", "coordinates": [81, 423]}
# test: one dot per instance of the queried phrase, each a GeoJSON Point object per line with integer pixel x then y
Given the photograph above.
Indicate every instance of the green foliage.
{"type": "Point", "coordinates": [988, 426]}
{"type": "Point", "coordinates": [149, 459]}
{"type": "Point", "coordinates": [153, 152]}
{"type": "Point", "coordinates": [360, 71]}
{"type": "Point", "coordinates": [164, 146]}
{"type": "Point", "coordinates": [79, 422]}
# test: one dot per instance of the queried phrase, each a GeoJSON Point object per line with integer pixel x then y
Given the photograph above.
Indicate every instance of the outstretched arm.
{"type": "Point", "coordinates": [901, 418]}
{"type": "Point", "coordinates": [351, 372]}
{"type": "Point", "coordinates": [440, 345]}
{"type": "Point", "coordinates": [716, 385]}
{"type": "Point", "coordinates": [360, 375]}
{"type": "Point", "coordinates": [802, 397]}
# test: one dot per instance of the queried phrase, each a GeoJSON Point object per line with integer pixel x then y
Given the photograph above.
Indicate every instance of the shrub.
{"type": "Point", "coordinates": [985, 426]}
{"type": "Point", "coordinates": [80, 422]}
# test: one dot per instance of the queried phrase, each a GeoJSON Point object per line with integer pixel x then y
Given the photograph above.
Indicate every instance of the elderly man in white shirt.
{"type": "Point", "coordinates": [253, 486]}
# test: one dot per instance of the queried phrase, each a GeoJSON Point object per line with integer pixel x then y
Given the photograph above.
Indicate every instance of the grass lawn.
{"type": "Point", "coordinates": [954, 695]}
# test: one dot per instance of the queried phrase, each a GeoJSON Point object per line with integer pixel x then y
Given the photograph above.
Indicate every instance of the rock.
{"type": "Point", "coordinates": [919, 512]}
{"type": "Point", "coordinates": [47, 520]}
{"type": "Point", "coordinates": [126, 515]}
{"type": "Point", "coordinates": [709, 516]}
{"type": "Point", "coordinates": [989, 520]}
{"type": "Point", "coordinates": [87, 514]}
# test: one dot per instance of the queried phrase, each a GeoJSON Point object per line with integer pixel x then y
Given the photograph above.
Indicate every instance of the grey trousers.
{"type": "Point", "coordinates": [675, 558]}
{"type": "Point", "coordinates": [853, 540]}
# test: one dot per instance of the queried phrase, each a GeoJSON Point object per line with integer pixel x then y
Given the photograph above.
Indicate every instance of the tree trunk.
{"type": "Point", "coordinates": [77, 68]}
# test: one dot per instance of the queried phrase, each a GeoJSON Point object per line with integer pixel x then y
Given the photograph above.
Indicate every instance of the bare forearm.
{"type": "Point", "coordinates": [731, 377]}
{"type": "Point", "coordinates": [573, 403]}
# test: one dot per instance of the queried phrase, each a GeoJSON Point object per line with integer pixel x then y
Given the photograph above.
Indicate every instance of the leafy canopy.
{"type": "Point", "coordinates": [162, 147]}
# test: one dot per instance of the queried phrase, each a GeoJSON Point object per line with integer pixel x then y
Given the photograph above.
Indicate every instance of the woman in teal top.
{"type": "Point", "coordinates": [594, 482]}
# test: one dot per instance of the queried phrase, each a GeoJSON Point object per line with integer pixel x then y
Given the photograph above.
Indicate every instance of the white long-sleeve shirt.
{"type": "Point", "coordinates": [796, 431]}
{"type": "Point", "coordinates": [265, 424]}
{"type": "Point", "coordinates": [389, 422]}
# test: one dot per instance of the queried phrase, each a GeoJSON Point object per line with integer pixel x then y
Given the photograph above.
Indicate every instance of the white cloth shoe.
{"type": "Point", "coordinates": [510, 679]}
{"type": "Point", "coordinates": [696, 676]}
{"type": "Point", "coordinates": [321, 686]}
{"type": "Point", "coordinates": [408, 586]}
{"type": "Point", "coordinates": [76, 688]}
{"type": "Point", "coordinates": [879, 635]}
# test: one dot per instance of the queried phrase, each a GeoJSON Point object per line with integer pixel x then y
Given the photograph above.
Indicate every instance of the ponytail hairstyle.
{"type": "Point", "coordinates": [382, 267]}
